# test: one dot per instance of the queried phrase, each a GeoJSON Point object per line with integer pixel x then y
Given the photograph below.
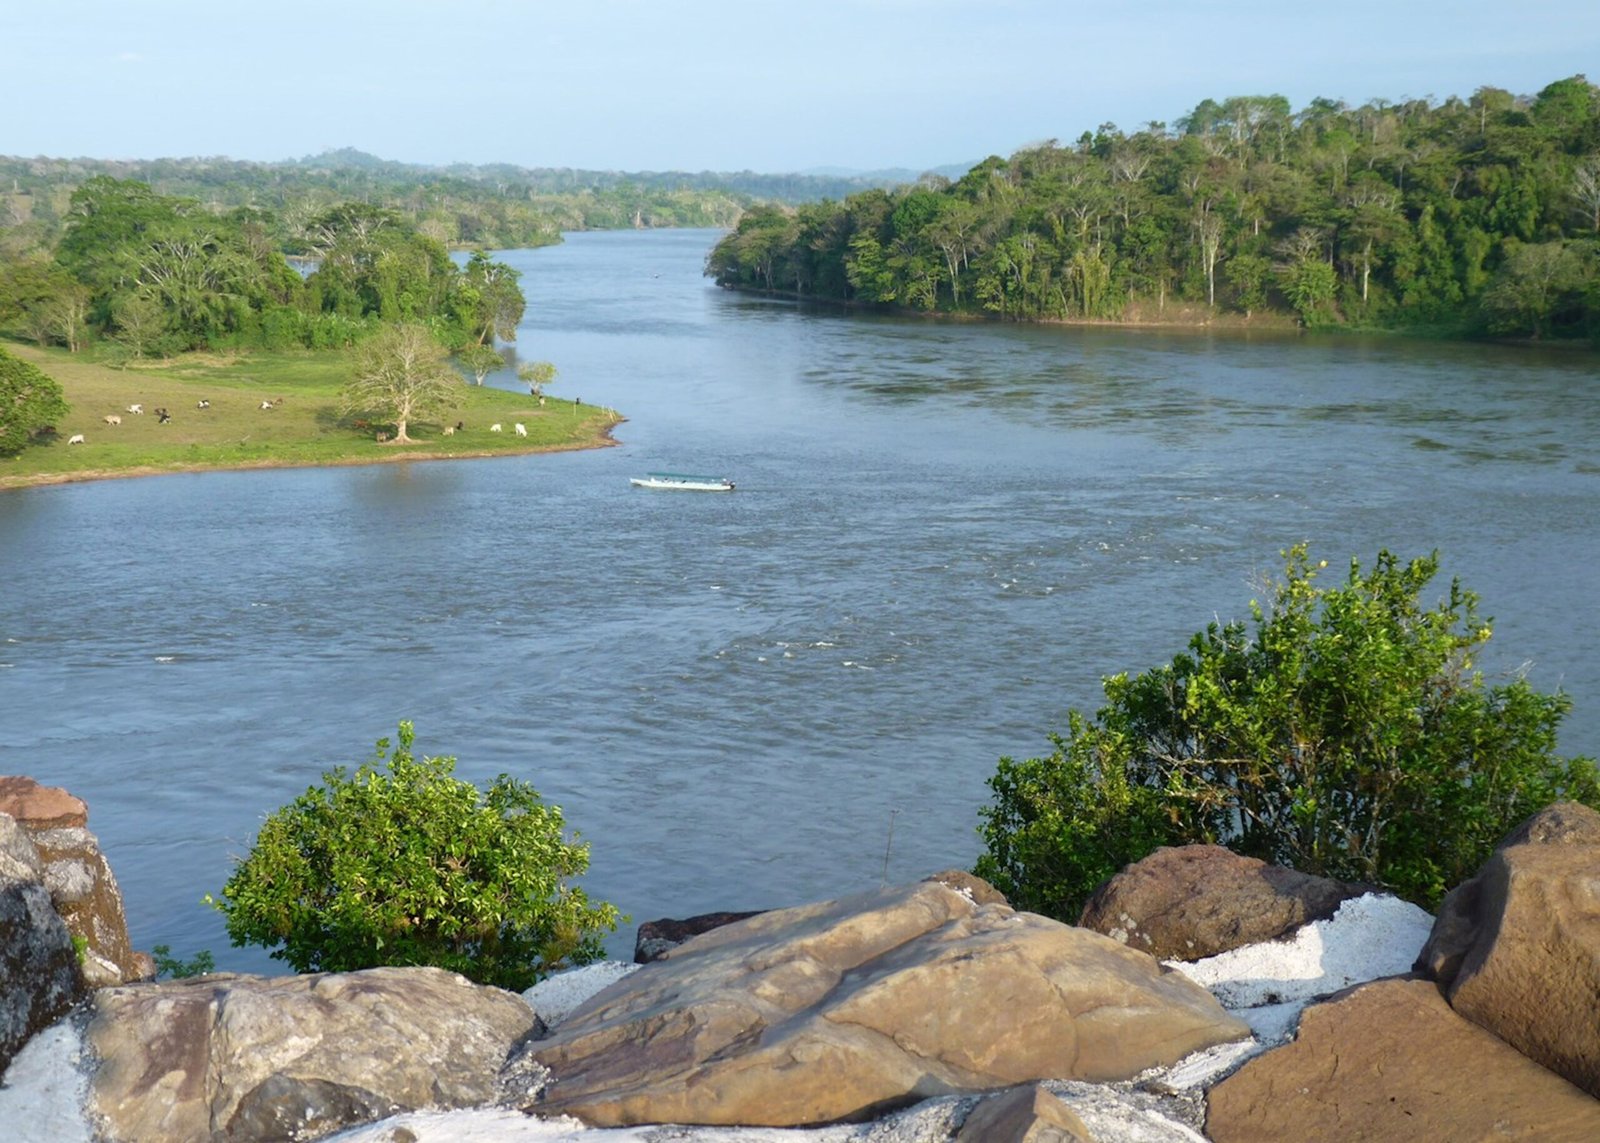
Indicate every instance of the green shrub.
{"type": "Point", "coordinates": [403, 864]}
{"type": "Point", "coordinates": [1348, 736]}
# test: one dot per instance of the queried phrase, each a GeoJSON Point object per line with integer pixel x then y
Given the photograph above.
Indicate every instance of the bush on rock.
{"type": "Point", "coordinates": [404, 864]}
{"type": "Point", "coordinates": [1349, 736]}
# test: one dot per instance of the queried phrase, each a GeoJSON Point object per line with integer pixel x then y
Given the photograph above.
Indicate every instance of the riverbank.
{"type": "Point", "coordinates": [266, 410]}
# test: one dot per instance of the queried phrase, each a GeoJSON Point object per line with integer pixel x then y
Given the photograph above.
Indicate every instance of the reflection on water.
{"type": "Point", "coordinates": [943, 536]}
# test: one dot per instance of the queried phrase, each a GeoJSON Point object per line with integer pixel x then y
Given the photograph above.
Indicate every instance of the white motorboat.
{"type": "Point", "coordinates": [682, 482]}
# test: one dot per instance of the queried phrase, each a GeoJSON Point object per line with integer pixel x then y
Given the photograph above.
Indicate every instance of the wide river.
{"type": "Point", "coordinates": [943, 536]}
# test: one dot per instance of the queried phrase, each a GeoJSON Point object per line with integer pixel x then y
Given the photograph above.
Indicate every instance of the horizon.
{"type": "Point", "coordinates": [718, 86]}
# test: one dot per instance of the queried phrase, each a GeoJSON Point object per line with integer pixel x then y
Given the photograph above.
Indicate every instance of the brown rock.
{"type": "Point", "coordinates": [1391, 1061]}
{"type": "Point", "coordinates": [1194, 901]}
{"type": "Point", "coordinates": [1532, 975]}
{"type": "Point", "coordinates": [1027, 1114]}
{"type": "Point", "coordinates": [247, 1058]}
{"type": "Point", "coordinates": [86, 895]}
{"type": "Point", "coordinates": [657, 938]}
{"type": "Point", "coordinates": [37, 807]}
{"type": "Point", "coordinates": [1461, 920]}
{"type": "Point", "coordinates": [39, 978]}
{"type": "Point", "coordinates": [843, 1009]}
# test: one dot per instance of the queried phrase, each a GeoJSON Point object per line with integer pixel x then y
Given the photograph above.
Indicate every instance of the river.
{"type": "Point", "coordinates": [943, 536]}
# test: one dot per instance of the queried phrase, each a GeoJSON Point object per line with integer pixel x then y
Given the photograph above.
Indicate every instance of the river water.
{"type": "Point", "coordinates": [943, 536]}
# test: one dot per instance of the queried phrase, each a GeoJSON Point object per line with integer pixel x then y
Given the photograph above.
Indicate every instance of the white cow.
{"type": "Point", "coordinates": [494, 428]}
{"type": "Point", "coordinates": [112, 419]}
{"type": "Point", "coordinates": [522, 430]}
{"type": "Point", "coordinates": [449, 430]}
{"type": "Point", "coordinates": [75, 438]}
{"type": "Point", "coordinates": [136, 408]}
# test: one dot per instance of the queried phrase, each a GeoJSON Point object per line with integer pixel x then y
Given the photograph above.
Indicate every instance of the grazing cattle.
{"type": "Point", "coordinates": [541, 402]}
{"type": "Point", "coordinates": [75, 438]}
{"type": "Point", "coordinates": [460, 425]}
{"type": "Point", "coordinates": [202, 404]}
{"type": "Point", "coordinates": [162, 416]}
{"type": "Point", "coordinates": [382, 437]}
{"type": "Point", "coordinates": [135, 409]}
{"type": "Point", "coordinates": [112, 419]}
{"type": "Point", "coordinates": [522, 430]}
{"type": "Point", "coordinates": [494, 428]}
{"type": "Point", "coordinates": [449, 430]}
{"type": "Point", "coordinates": [266, 404]}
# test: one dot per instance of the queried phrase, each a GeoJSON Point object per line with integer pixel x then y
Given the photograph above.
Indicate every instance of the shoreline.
{"type": "Point", "coordinates": [88, 475]}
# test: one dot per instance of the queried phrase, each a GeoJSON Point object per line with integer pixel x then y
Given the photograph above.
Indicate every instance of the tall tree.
{"type": "Point", "coordinates": [30, 399]}
{"type": "Point", "coordinates": [401, 375]}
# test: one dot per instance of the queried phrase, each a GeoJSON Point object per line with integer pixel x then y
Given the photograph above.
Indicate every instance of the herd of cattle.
{"type": "Point", "coordinates": [164, 416]}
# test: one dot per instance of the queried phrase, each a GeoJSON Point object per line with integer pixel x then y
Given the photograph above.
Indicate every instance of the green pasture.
{"type": "Point", "coordinates": [303, 427]}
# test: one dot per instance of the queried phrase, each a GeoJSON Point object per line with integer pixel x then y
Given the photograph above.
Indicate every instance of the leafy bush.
{"type": "Point", "coordinates": [403, 864]}
{"type": "Point", "coordinates": [1349, 736]}
{"type": "Point", "coordinates": [29, 400]}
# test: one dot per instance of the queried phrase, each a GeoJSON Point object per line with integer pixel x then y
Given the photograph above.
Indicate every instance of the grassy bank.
{"type": "Point", "coordinates": [303, 428]}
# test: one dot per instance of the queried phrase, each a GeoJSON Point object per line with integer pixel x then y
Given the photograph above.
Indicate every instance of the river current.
{"type": "Point", "coordinates": [943, 536]}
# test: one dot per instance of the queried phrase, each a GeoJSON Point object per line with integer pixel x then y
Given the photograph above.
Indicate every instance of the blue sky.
{"type": "Point", "coordinates": [721, 84]}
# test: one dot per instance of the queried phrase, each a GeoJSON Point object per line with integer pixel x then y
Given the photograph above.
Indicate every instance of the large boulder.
{"type": "Point", "coordinates": [1390, 1060]}
{"type": "Point", "coordinates": [294, 1058]}
{"type": "Point", "coordinates": [1465, 919]}
{"type": "Point", "coordinates": [1517, 948]}
{"type": "Point", "coordinates": [655, 939]}
{"type": "Point", "coordinates": [39, 978]}
{"type": "Point", "coordinates": [1194, 901]}
{"type": "Point", "coordinates": [843, 1009]}
{"type": "Point", "coordinates": [79, 879]}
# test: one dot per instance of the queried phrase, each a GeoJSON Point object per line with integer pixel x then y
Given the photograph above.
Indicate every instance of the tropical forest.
{"type": "Point", "coordinates": [1469, 217]}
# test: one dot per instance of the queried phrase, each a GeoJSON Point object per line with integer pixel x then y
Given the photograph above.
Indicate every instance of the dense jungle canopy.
{"type": "Point", "coordinates": [1477, 215]}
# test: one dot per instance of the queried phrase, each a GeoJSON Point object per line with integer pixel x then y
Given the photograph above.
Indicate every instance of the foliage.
{"type": "Point", "coordinates": [30, 400]}
{"type": "Point", "coordinates": [402, 863]}
{"type": "Point", "coordinates": [1390, 214]}
{"type": "Point", "coordinates": [481, 360]}
{"type": "Point", "coordinates": [170, 966]}
{"type": "Point", "coordinates": [536, 375]}
{"type": "Point", "coordinates": [1338, 738]}
{"type": "Point", "coordinates": [401, 374]}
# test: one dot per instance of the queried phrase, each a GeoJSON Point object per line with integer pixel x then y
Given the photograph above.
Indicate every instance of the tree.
{"type": "Point", "coordinates": [1339, 739]}
{"type": "Point", "coordinates": [482, 360]}
{"type": "Point", "coordinates": [491, 298]}
{"type": "Point", "coordinates": [404, 864]}
{"type": "Point", "coordinates": [401, 374]}
{"type": "Point", "coordinates": [30, 399]}
{"type": "Point", "coordinates": [536, 375]}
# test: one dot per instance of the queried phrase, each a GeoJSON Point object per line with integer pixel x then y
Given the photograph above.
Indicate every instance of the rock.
{"type": "Point", "coordinates": [1028, 1114]}
{"type": "Point", "coordinates": [86, 895]}
{"type": "Point", "coordinates": [657, 938]}
{"type": "Point", "coordinates": [1461, 919]}
{"type": "Point", "coordinates": [1532, 975]}
{"type": "Point", "coordinates": [1390, 1060]}
{"type": "Point", "coordinates": [845, 1009]}
{"type": "Point", "coordinates": [78, 878]}
{"type": "Point", "coordinates": [39, 978]}
{"type": "Point", "coordinates": [294, 1058]}
{"type": "Point", "coordinates": [1194, 901]}
{"type": "Point", "coordinates": [37, 807]}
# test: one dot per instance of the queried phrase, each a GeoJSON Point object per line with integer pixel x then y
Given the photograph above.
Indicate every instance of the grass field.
{"type": "Point", "coordinates": [304, 428]}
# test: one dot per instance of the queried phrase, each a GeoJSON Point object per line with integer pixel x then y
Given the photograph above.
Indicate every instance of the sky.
{"type": "Point", "coordinates": [724, 85]}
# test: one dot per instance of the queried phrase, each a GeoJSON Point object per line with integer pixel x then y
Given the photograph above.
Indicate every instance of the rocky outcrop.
{"type": "Point", "coordinates": [79, 880]}
{"type": "Point", "coordinates": [294, 1058]}
{"type": "Point", "coordinates": [1194, 901]}
{"type": "Point", "coordinates": [1391, 1060]}
{"type": "Point", "coordinates": [1027, 1114]}
{"type": "Point", "coordinates": [843, 1009]}
{"type": "Point", "coordinates": [39, 977]}
{"type": "Point", "coordinates": [1517, 948]}
{"type": "Point", "coordinates": [655, 939]}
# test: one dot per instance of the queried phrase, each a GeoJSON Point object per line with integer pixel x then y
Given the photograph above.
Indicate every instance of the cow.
{"type": "Point", "coordinates": [522, 430]}
{"type": "Point", "coordinates": [494, 428]}
{"type": "Point", "coordinates": [202, 404]}
{"type": "Point", "coordinates": [112, 419]}
{"type": "Point", "coordinates": [136, 409]}
{"type": "Point", "coordinates": [449, 430]}
{"type": "Point", "coordinates": [75, 438]}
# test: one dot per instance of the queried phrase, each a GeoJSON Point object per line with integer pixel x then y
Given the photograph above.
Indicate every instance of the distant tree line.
{"type": "Point", "coordinates": [494, 207]}
{"type": "Point", "coordinates": [150, 274]}
{"type": "Point", "coordinates": [1475, 215]}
